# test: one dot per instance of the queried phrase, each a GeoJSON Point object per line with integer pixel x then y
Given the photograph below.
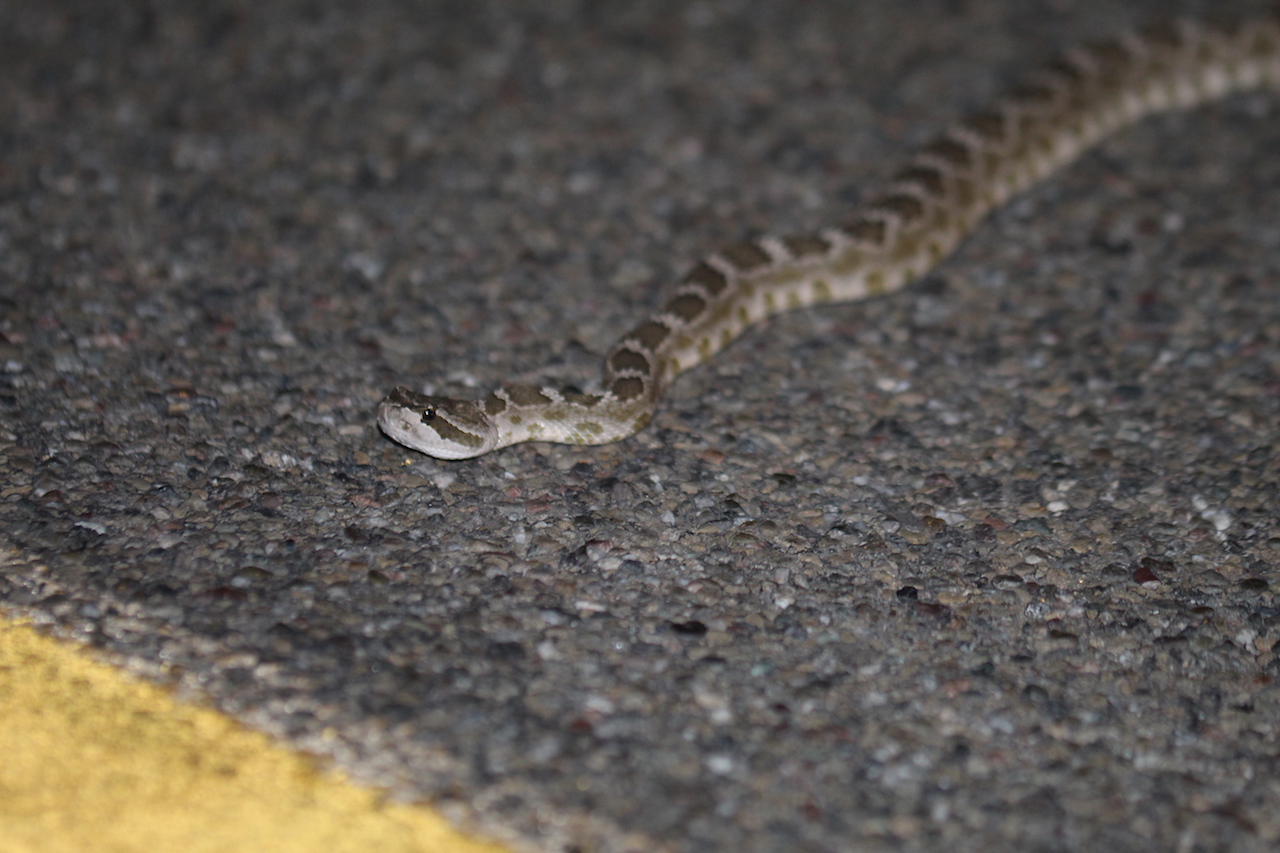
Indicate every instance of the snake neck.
{"type": "Point", "coordinates": [530, 413]}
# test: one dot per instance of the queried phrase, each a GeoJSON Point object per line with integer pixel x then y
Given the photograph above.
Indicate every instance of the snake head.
{"type": "Point", "coordinates": [443, 427]}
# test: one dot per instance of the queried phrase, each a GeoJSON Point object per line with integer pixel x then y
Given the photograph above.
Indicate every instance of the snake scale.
{"type": "Point", "coordinates": [925, 211]}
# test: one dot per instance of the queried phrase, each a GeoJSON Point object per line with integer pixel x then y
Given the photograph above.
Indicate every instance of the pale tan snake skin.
{"type": "Point", "coordinates": [927, 208]}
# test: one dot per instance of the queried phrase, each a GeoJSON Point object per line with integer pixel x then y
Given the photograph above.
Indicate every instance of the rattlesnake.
{"type": "Point", "coordinates": [927, 208]}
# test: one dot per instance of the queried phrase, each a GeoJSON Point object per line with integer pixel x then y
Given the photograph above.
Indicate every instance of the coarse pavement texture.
{"type": "Point", "coordinates": [989, 564]}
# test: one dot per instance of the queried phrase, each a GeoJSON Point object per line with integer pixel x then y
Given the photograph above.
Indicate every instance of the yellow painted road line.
{"type": "Point", "coordinates": [94, 760]}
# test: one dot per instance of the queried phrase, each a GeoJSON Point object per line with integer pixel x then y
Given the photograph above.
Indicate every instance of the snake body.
{"type": "Point", "coordinates": [919, 218]}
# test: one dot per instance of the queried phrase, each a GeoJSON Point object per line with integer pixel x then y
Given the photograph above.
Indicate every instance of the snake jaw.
{"type": "Point", "coordinates": [443, 427]}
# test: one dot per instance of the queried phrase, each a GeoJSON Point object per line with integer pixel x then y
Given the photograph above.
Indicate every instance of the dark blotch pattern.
{"type": "Point", "coordinates": [494, 405]}
{"type": "Point", "coordinates": [990, 126]}
{"type": "Point", "coordinates": [1113, 57]}
{"type": "Point", "coordinates": [1033, 95]}
{"type": "Point", "coordinates": [650, 334]}
{"type": "Point", "coordinates": [803, 245]}
{"type": "Point", "coordinates": [686, 307]}
{"type": "Point", "coordinates": [906, 206]}
{"type": "Point", "coordinates": [745, 256]}
{"type": "Point", "coordinates": [1064, 67]}
{"type": "Point", "coordinates": [580, 399]}
{"type": "Point", "coordinates": [628, 388]}
{"type": "Point", "coordinates": [928, 178]}
{"type": "Point", "coordinates": [449, 432]}
{"type": "Point", "coordinates": [955, 153]}
{"type": "Point", "coordinates": [709, 277]}
{"type": "Point", "coordinates": [628, 360]}
{"type": "Point", "coordinates": [867, 231]}
{"type": "Point", "coordinates": [527, 395]}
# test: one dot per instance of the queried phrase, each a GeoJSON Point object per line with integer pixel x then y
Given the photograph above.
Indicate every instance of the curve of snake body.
{"type": "Point", "coordinates": [919, 218]}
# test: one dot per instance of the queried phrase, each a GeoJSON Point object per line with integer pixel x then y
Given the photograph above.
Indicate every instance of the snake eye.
{"type": "Point", "coordinates": [428, 415]}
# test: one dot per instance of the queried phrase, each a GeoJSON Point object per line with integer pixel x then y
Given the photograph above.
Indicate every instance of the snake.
{"type": "Point", "coordinates": [920, 216]}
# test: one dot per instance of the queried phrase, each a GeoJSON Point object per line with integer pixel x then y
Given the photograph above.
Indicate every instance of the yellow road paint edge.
{"type": "Point", "coordinates": [93, 759]}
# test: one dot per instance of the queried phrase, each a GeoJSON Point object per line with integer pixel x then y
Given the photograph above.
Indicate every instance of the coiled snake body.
{"type": "Point", "coordinates": [927, 208]}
